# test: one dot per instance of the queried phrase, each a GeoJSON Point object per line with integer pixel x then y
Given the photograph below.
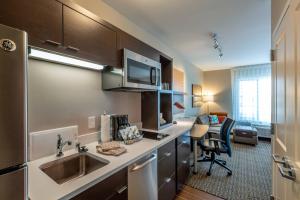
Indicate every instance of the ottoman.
{"type": "Point", "coordinates": [245, 134]}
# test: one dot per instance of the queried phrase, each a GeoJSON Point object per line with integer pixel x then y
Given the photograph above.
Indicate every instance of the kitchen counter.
{"type": "Point", "coordinates": [40, 186]}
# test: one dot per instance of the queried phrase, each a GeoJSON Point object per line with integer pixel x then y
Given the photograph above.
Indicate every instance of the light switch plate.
{"type": "Point", "coordinates": [91, 122]}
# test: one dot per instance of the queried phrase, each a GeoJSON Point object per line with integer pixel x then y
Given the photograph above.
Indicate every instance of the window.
{"type": "Point", "coordinates": [252, 94]}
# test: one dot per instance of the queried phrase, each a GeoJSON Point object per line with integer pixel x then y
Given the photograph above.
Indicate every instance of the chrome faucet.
{"type": "Point", "coordinates": [60, 145]}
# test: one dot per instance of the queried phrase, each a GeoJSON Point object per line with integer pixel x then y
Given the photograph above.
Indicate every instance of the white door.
{"type": "Point", "coordinates": [286, 104]}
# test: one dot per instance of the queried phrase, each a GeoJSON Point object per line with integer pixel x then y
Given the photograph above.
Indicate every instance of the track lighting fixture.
{"type": "Point", "coordinates": [216, 44]}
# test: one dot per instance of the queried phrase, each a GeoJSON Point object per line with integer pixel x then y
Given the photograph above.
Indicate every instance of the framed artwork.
{"type": "Point", "coordinates": [197, 95]}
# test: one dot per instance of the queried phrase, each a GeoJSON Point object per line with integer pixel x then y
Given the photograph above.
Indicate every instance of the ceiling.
{"type": "Point", "coordinates": [243, 28]}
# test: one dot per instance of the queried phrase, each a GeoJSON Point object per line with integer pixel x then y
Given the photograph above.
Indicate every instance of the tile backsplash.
{"type": "Point", "coordinates": [43, 143]}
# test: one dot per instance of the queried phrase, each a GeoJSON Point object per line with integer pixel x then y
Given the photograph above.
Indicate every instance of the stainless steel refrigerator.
{"type": "Point", "coordinates": [13, 113]}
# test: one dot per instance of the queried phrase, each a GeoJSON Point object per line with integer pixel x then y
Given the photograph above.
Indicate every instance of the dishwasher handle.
{"type": "Point", "coordinates": [138, 167]}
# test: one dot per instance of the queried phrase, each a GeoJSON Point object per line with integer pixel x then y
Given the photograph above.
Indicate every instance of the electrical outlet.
{"type": "Point", "coordinates": [92, 122]}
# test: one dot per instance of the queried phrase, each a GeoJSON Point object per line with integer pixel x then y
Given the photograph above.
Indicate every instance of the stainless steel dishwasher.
{"type": "Point", "coordinates": [142, 178]}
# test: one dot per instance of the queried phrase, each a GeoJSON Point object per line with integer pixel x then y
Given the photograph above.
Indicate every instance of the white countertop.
{"type": "Point", "coordinates": [42, 187]}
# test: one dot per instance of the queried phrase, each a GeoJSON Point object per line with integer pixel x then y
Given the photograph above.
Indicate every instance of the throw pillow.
{"type": "Point", "coordinates": [213, 119]}
{"type": "Point", "coordinates": [221, 119]}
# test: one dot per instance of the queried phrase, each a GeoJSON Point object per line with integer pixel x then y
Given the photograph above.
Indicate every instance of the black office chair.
{"type": "Point", "coordinates": [215, 146]}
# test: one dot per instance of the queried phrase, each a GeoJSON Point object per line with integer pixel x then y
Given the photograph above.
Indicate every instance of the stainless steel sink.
{"type": "Point", "coordinates": [71, 167]}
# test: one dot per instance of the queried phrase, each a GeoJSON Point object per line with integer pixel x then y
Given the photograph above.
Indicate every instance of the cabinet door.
{"type": "Point", "coordinates": [88, 39]}
{"type": "Point", "coordinates": [166, 150]}
{"type": "Point", "coordinates": [183, 152]}
{"type": "Point", "coordinates": [183, 155]}
{"type": "Point", "coordinates": [112, 188]}
{"type": "Point", "coordinates": [166, 171]}
{"type": "Point", "coordinates": [41, 19]}
{"type": "Point", "coordinates": [185, 139]}
{"type": "Point", "coordinates": [166, 167]}
{"type": "Point", "coordinates": [129, 42]}
{"type": "Point", "coordinates": [182, 175]}
{"type": "Point", "coordinates": [168, 189]}
{"type": "Point", "coordinates": [183, 169]}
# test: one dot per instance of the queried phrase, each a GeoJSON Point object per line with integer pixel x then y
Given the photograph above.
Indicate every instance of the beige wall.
{"type": "Point", "coordinates": [218, 83]}
{"type": "Point", "coordinates": [192, 73]}
{"type": "Point", "coordinates": [62, 96]}
{"type": "Point", "coordinates": [192, 76]}
{"type": "Point", "coordinates": [277, 9]}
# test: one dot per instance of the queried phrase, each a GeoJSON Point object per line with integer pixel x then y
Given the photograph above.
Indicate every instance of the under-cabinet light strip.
{"type": "Point", "coordinates": [52, 57]}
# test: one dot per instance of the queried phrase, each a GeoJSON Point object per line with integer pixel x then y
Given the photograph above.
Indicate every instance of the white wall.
{"type": "Point", "coordinates": [192, 73]}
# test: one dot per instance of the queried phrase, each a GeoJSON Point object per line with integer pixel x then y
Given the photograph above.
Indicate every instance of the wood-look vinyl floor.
{"type": "Point", "coordinates": [189, 193]}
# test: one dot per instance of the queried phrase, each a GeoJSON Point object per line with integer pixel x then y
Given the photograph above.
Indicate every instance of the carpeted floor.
{"type": "Point", "coordinates": [251, 178]}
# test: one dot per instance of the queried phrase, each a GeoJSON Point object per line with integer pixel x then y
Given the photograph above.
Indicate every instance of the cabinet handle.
{"type": "Point", "coordinates": [122, 189]}
{"type": "Point", "coordinates": [184, 161]}
{"type": "Point", "coordinates": [168, 154]}
{"type": "Point", "coordinates": [167, 180]}
{"type": "Point", "coordinates": [52, 42]}
{"type": "Point", "coordinates": [73, 48]}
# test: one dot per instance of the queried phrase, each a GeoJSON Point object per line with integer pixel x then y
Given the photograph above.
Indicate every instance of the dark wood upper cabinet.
{"type": "Point", "coordinates": [153, 104]}
{"type": "Point", "coordinates": [41, 19]}
{"type": "Point", "coordinates": [64, 27]}
{"type": "Point", "coordinates": [88, 39]}
{"type": "Point", "coordinates": [167, 70]}
{"type": "Point", "coordinates": [129, 42]}
{"type": "Point", "coordinates": [150, 108]}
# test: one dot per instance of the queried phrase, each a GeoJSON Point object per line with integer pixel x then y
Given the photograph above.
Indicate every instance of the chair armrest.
{"type": "Point", "coordinates": [216, 140]}
{"type": "Point", "coordinates": [216, 144]}
{"type": "Point", "coordinates": [212, 133]}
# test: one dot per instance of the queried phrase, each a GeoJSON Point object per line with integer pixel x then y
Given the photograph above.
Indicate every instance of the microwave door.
{"type": "Point", "coordinates": [138, 73]}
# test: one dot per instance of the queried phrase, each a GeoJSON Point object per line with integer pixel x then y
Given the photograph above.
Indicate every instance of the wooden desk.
{"type": "Point", "coordinates": [197, 133]}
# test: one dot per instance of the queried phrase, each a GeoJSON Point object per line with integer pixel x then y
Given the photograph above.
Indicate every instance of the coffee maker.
{"type": "Point", "coordinates": [118, 122]}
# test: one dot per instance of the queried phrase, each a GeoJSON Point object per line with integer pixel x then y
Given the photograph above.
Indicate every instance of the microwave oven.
{"type": "Point", "coordinates": [139, 73]}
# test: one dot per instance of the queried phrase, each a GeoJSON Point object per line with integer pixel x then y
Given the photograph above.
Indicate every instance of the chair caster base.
{"type": "Point", "coordinates": [229, 173]}
{"type": "Point", "coordinates": [222, 161]}
{"type": "Point", "coordinates": [208, 173]}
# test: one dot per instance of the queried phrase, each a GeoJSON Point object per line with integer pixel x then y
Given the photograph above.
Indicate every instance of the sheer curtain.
{"type": "Point", "coordinates": [251, 93]}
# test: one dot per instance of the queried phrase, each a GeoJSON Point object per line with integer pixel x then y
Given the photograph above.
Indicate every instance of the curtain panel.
{"type": "Point", "coordinates": [251, 93]}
